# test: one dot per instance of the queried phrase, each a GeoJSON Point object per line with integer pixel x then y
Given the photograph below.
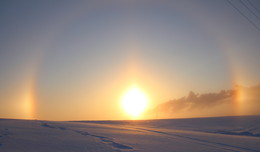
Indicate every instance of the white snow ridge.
{"type": "Point", "coordinates": [239, 134]}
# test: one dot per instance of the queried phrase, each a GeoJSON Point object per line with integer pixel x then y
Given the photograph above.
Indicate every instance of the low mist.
{"type": "Point", "coordinates": [238, 101]}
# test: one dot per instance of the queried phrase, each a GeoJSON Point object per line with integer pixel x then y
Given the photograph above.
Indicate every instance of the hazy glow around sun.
{"type": "Point", "coordinates": [134, 102]}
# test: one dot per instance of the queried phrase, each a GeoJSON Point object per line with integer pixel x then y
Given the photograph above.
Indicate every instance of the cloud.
{"type": "Point", "coordinates": [239, 101]}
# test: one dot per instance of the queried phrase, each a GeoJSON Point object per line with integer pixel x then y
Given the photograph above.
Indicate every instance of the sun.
{"type": "Point", "coordinates": [134, 102]}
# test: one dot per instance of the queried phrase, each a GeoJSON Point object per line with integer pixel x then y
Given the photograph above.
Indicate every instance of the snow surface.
{"type": "Point", "coordinates": [172, 135]}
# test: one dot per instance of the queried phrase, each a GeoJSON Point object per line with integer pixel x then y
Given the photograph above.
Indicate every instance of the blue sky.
{"type": "Point", "coordinates": [79, 55]}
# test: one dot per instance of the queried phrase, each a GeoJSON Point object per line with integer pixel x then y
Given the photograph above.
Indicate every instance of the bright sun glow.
{"type": "Point", "coordinates": [134, 102]}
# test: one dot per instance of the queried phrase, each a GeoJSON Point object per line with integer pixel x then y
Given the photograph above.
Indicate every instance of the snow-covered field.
{"type": "Point", "coordinates": [173, 135]}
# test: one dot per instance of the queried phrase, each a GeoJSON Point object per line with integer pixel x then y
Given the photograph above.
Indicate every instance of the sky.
{"type": "Point", "coordinates": [74, 60]}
